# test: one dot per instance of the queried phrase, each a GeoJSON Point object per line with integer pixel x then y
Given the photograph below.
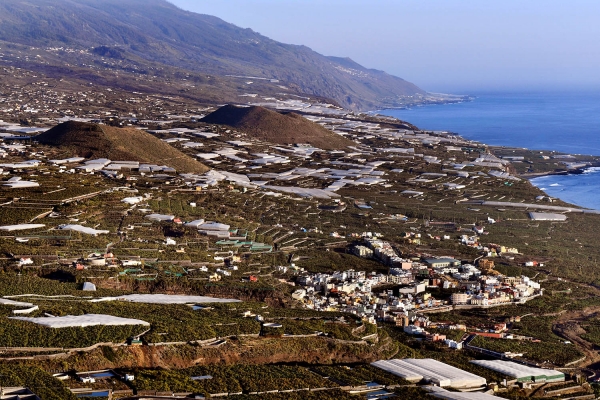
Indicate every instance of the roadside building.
{"type": "Point", "coordinates": [363, 251]}
{"type": "Point", "coordinates": [459, 298]}
{"type": "Point", "coordinates": [442, 262]}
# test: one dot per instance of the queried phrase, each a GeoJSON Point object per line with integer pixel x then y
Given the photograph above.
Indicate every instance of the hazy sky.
{"type": "Point", "coordinates": [440, 45]}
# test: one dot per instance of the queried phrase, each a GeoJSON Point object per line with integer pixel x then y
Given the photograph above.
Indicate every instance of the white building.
{"type": "Point", "coordinates": [433, 371]}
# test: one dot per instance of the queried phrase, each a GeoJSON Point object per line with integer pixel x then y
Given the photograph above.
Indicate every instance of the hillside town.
{"type": "Point", "coordinates": [275, 210]}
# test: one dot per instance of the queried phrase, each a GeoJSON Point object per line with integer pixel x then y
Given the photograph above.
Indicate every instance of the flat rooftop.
{"type": "Point", "coordinates": [430, 370]}
{"type": "Point", "coordinates": [520, 371]}
{"type": "Point", "coordinates": [538, 216]}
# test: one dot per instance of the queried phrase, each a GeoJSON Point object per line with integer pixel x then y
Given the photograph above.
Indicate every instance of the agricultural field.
{"type": "Point", "coordinates": [279, 255]}
{"type": "Point", "coordinates": [168, 323]}
{"type": "Point", "coordinates": [358, 375]}
{"type": "Point", "coordinates": [36, 379]}
{"type": "Point", "coordinates": [334, 394]}
{"type": "Point", "coordinates": [231, 379]}
{"type": "Point", "coordinates": [556, 353]}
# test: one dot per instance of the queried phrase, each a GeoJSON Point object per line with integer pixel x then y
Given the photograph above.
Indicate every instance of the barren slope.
{"type": "Point", "coordinates": [167, 35]}
{"type": "Point", "coordinates": [271, 126]}
{"type": "Point", "coordinates": [117, 144]}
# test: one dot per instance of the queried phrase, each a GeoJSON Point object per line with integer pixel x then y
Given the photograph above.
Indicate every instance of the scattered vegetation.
{"type": "Point", "coordinates": [358, 375]}
{"type": "Point", "coordinates": [555, 353]}
{"type": "Point", "coordinates": [231, 379]}
{"type": "Point", "coordinates": [36, 379]}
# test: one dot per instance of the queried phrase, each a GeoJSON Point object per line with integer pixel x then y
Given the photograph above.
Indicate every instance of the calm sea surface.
{"type": "Point", "coordinates": [567, 122]}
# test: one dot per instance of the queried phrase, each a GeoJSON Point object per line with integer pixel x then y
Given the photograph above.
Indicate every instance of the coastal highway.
{"type": "Point", "coordinates": [531, 205]}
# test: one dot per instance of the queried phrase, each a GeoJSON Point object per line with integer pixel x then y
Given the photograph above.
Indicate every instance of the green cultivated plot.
{"type": "Point", "coordinates": [358, 375]}
{"type": "Point", "coordinates": [37, 380]}
{"type": "Point", "coordinates": [335, 394]}
{"type": "Point", "coordinates": [168, 323]}
{"type": "Point", "coordinates": [557, 353]}
{"type": "Point", "coordinates": [231, 379]}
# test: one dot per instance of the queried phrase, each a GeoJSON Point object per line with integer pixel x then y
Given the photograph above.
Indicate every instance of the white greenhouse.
{"type": "Point", "coordinates": [522, 373]}
{"type": "Point", "coordinates": [444, 394]}
{"type": "Point", "coordinates": [432, 371]}
{"type": "Point", "coordinates": [82, 321]}
{"type": "Point", "coordinates": [166, 299]}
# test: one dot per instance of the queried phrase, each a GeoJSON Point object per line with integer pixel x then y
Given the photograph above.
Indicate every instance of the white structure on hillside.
{"type": "Point", "coordinates": [433, 371]}
{"type": "Point", "coordinates": [83, 229]}
{"type": "Point", "coordinates": [522, 373]}
{"type": "Point", "coordinates": [82, 321]}
{"type": "Point", "coordinates": [444, 394]}
{"type": "Point", "coordinates": [166, 299]}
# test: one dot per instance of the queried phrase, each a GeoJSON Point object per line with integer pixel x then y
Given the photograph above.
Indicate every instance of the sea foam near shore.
{"type": "Point", "coordinates": [580, 189]}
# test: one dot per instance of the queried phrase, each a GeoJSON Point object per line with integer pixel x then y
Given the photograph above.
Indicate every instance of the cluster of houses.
{"type": "Point", "coordinates": [493, 290]}
{"type": "Point", "coordinates": [490, 249]}
{"type": "Point", "coordinates": [406, 305]}
{"type": "Point", "coordinates": [352, 291]}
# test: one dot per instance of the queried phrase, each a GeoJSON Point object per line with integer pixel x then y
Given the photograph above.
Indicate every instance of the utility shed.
{"type": "Point", "coordinates": [538, 216]}
{"type": "Point", "coordinates": [432, 371]}
{"type": "Point", "coordinates": [522, 373]}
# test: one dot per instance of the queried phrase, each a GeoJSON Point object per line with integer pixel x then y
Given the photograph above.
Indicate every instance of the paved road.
{"type": "Point", "coordinates": [531, 205]}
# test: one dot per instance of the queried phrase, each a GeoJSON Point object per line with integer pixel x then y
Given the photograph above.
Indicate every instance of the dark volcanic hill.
{"type": "Point", "coordinates": [271, 126]}
{"type": "Point", "coordinates": [159, 32]}
{"type": "Point", "coordinates": [117, 144]}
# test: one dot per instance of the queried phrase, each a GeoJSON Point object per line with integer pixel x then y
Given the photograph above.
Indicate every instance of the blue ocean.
{"type": "Point", "coordinates": [563, 121]}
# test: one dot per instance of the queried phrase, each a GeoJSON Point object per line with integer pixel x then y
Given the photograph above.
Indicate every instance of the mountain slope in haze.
{"type": "Point", "coordinates": [271, 126]}
{"type": "Point", "coordinates": [158, 31]}
{"type": "Point", "coordinates": [117, 144]}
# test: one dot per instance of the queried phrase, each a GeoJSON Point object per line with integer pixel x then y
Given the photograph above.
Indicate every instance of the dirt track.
{"type": "Point", "coordinates": [568, 326]}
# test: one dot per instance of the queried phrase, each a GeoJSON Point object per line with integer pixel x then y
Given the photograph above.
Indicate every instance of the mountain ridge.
{"type": "Point", "coordinates": [166, 34]}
